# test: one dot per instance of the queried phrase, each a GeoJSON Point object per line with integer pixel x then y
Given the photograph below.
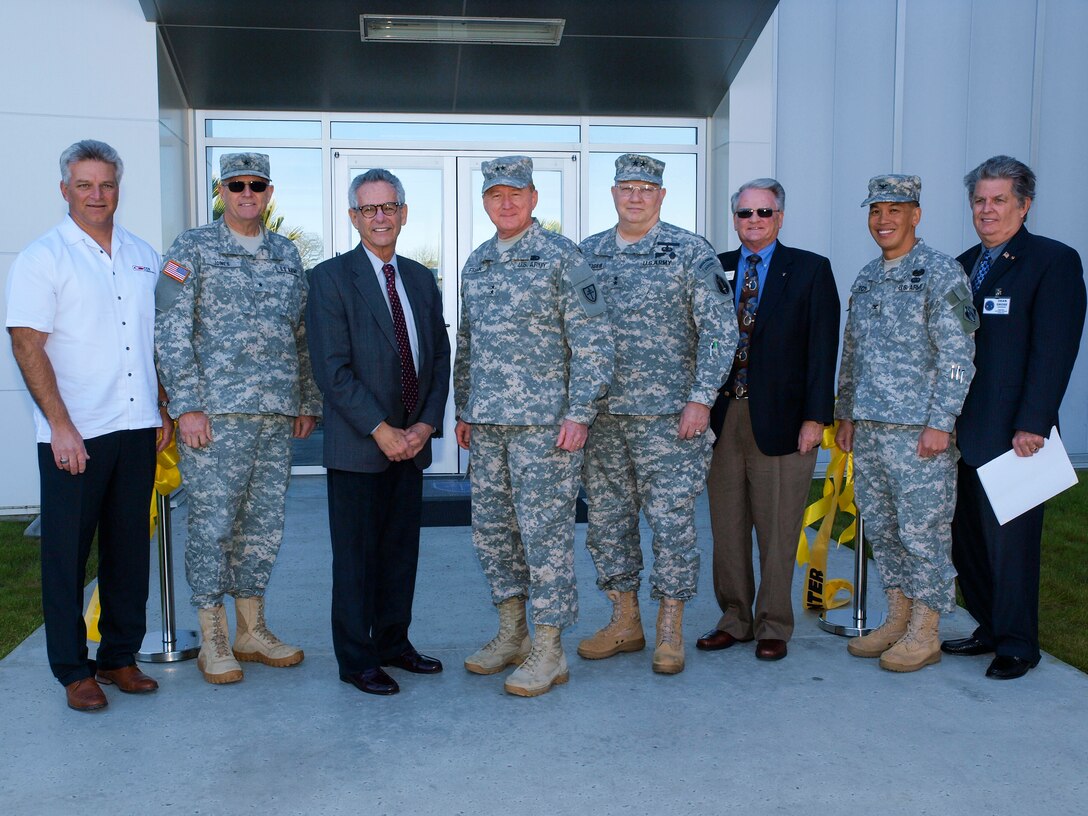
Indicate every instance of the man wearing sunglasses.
{"type": "Point", "coordinates": [231, 348]}
{"type": "Point", "coordinates": [769, 419]}
{"type": "Point", "coordinates": [670, 307]}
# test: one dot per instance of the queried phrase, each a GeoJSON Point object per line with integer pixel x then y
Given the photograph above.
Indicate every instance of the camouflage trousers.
{"type": "Point", "coordinates": [524, 491]}
{"type": "Point", "coordinates": [236, 488]}
{"type": "Point", "coordinates": [907, 504]}
{"type": "Point", "coordinates": [638, 463]}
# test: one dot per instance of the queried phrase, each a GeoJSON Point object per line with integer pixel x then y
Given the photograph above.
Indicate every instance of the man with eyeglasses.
{"type": "Point", "coordinates": [231, 349]}
{"type": "Point", "coordinates": [906, 367]}
{"type": "Point", "coordinates": [80, 311]}
{"type": "Point", "coordinates": [381, 358]}
{"type": "Point", "coordinates": [534, 353]}
{"type": "Point", "coordinates": [670, 307]}
{"type": "Point", "coordinates": [769, 420]}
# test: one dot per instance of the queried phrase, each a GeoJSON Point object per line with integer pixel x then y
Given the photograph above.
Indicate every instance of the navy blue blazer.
{"type": "Point", "coordinates": [1023, 359]}
{"type": "Point", "coordinates": [356, 361]}
{"type": "Point", "coordinates": [794, 348]}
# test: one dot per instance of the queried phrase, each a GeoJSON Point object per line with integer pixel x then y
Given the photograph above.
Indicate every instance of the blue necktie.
{"type": "Point", "coordinates": [981, 272]}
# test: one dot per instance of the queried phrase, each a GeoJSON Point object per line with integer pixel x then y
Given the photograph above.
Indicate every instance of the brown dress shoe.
{"type": "Point", "coordinates": [85, 695]}
{"type": "Point", "coordinates": [716, 639]}
{"type": "Point", "coordinates": [129, 679]}
{"type": "Point", "coordinates": [771, 649]}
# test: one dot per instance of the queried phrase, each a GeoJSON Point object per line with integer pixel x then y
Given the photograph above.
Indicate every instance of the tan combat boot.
{"type": "Point", "coordinates": [509, 647]}
{"type": "Point", "coordinates": [894, 627]}
{"type": "Point", "coordinates": [622, 634]}
{"type": "Point", "coordinates": [669, 654]}
{"type": "Point", "coordinates": [920, 646]}
{"type": "Point", "coordinates": [254, 643]}
{"type": "Point", "coordinates": [215, 660]}
{"type": "Point", "coordinates": [546, 666]}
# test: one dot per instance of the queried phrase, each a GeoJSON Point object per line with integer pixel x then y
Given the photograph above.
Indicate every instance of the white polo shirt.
{"type": "Point", "coordinates": [99, 313]}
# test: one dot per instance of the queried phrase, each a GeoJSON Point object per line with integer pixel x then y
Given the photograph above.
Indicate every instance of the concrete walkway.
{"type": "Point", "coordinates": [819, 732]}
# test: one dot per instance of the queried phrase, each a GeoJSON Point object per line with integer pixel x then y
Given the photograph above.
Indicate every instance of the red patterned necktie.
{"type": "Point", "coordinates": [409, 384]}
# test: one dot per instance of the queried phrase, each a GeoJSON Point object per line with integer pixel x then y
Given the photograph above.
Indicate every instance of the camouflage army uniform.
{"type": "Point", "coordinates": [533, 350]}
{"type": "Point", "coordinates": [230, 342]}
{"type": "Point", "coordinates": [906, 365]}
{"type": "Point", "coordinates": [675, 334]}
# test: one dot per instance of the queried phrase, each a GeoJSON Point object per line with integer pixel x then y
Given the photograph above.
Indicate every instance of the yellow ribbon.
{"type": "Point", "coordinates": [167, 480]}
{"type": "Point", "coordinates": [838, 494]}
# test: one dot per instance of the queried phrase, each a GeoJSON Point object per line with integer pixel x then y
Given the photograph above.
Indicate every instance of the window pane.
{"type": "Point", "coordinates": [680, 180]}
{"type": "Point", "coordinates": [298, 195]}
{"type": "Point", "coordinates": [453, 132]}
{"type": "Point", "coordinates": [262, 129]}
{"type": "Point", "coordinates": [637, 134]}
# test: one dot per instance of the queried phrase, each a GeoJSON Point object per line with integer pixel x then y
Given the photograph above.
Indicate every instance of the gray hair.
{"type": "Point", "coordinates": [776, 189]}
{"type": "Point", "coordinates": [1003, 167]}
{"type": "Point", "coordinates": [89, 150]}
{"type": "Point", "coordinates": [370, 176]}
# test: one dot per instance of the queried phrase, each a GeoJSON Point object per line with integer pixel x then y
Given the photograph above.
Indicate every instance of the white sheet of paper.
{"type": "Point", "coordinates": [1015, 484]}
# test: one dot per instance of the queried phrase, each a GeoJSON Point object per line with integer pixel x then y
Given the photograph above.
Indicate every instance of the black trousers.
{"type": "Point", "coordinates": [113, 495]}
{"type": "Point", "coordinates": [998, 569]}
{"type": "Point", "coordinates": [374, 527]}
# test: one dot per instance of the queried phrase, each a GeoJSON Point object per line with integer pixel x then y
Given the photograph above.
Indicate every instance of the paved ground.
{"type": "Point", "coordinates": [819, 732]}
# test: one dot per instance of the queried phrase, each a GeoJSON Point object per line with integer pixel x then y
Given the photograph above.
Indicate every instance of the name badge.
{"type": "Point", "coordinates": [996, 306]}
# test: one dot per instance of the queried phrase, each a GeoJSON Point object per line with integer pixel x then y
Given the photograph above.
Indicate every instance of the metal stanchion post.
{"type": "Point", "coordinates": [852, 622]}
{"type": "Point", "coordinates": [172, 645]}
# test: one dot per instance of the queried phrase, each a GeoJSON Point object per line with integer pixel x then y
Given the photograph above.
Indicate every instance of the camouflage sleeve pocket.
{"type": "Point", "coordinates": [959, 300]}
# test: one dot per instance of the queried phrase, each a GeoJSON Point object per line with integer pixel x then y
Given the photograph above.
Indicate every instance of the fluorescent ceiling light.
{"type": "Point", "coordinates": [460, 30]}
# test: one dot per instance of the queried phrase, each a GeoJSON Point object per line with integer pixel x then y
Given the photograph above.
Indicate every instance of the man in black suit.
{"type": "Point", "coordinates": [769, 418]}
{"type": "Point", "coordinates": [1030, 293]}
{"type": "Point", "coordinates": [382, 360]}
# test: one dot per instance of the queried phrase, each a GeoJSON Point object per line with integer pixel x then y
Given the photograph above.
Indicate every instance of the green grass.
{"type": "Point", "coordinates": [21, 584]}
{"type": "Point", "coordinates": [1063, 602]}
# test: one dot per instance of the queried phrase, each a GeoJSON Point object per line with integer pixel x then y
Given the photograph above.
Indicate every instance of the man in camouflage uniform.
{"type": "Point", "coordinates": [534, 352]}
{"type": "Point", "coordinates": [906, 367]}
{"type": "Point", "coordinates": [671, 311]}
{"type": "Point", "coordinates": [232, 355]}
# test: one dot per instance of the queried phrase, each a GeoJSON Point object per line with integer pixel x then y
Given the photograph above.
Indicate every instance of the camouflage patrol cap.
{"type": "Point", "coordinates": [894, 187]}
{"type": "Point", "coordinates": [510, 171]}
{"type": "Point", "coordinates": [636, 167]}
{"type": "Point", "coordinates": [243, 164]}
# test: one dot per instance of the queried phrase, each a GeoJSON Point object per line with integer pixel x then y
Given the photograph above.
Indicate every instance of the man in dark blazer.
{"type": "Point", "coordinates": [381, 358]}
{"type": "Point", "coordinates": [769, 419]}
{"type": "Point", "coordinates": [1029, 292]}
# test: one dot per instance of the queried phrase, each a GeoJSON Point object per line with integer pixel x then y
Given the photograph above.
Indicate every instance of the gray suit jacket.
{"type": "Point", "coordinates": [356, 362]}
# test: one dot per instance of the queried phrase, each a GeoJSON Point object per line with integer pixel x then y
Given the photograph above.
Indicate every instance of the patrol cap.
{"type": "Point", "coordinates": [636, 167]}
{"type": "Point", "coordinates": [894, 187]}
{"type": "Point", "coordinates": [509, 171]}
{"type": "Point", "coordinates": [243, 164]}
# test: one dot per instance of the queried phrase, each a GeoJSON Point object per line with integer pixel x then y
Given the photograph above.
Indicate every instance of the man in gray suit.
{"type": "Point", "coordinates": [381, 358]}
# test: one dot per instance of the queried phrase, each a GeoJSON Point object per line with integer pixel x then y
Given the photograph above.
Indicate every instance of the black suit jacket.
{"type": "Point", "coordinates": [794, 347]}
{"type": "Point", "coordinates": [356, 361]}
{"type": "Point", "coordinates": [1023, 359]}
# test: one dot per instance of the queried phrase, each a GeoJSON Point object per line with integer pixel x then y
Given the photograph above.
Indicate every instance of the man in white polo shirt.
{"type": "Point", "coordinates": [81, 314]}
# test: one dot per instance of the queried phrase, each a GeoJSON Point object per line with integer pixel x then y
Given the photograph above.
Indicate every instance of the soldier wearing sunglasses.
{"type": "Point", "coordinates": [231, 348]}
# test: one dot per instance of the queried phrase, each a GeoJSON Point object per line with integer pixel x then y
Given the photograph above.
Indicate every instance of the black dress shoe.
{"type": "Point", "coordinates": [716, 639]}
{"type": "Point", "coordinates": [1005, 667]}
{"type": "Point", "coordinates": [372, 681]}
{"type": "Point", "coordinates": [414, 662]}
{"type": "Point", "coordinates": [966, 646]}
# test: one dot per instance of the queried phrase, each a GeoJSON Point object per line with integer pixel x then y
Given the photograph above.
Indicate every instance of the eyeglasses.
{"type": "Point", "coordinates": [628, 190]}
{"type": "Point", "coordinates": [255, 186]}
{"type": "Point", "coordinates": [389, 208]}
{"type": "Point", "coordinates": [762, 212]}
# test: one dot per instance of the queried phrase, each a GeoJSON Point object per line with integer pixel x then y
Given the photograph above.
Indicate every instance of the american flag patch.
{"type": "Point", "coordinates": [176, 271]}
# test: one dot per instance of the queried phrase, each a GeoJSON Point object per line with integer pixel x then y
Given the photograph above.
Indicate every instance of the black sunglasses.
{"type": "Point", "coordinates": [762, 212]}
{"type": "Point", "coordinates": [255, 186]}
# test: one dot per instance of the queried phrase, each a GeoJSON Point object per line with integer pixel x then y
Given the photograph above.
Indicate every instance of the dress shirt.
{"type": "Point", "coordinates": [761, 271]}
